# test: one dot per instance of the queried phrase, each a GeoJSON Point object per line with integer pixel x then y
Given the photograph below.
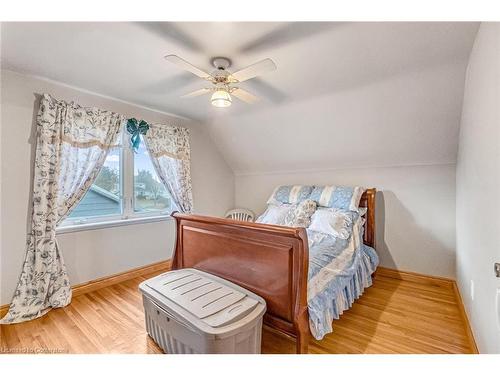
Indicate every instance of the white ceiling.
{"type": "Point", "coordinates": [334, 82]}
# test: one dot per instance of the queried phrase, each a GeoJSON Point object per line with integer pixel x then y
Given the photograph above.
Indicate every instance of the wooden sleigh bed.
{"type": "Point", "coordinates": [271, 261]}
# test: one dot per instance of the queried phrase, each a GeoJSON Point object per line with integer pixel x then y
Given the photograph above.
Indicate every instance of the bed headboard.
{"type": "Point", "coordinates": [368, 201]}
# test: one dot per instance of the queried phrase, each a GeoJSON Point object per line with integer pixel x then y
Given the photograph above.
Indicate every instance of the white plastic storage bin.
{"type": "Point", "coordinates": [189, 311]}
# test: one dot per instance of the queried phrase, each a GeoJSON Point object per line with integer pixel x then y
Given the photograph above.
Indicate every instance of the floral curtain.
{"type": "Point", "coordinates": [170, 153]}
{"type": "Point", "coordinates": [72, 145]}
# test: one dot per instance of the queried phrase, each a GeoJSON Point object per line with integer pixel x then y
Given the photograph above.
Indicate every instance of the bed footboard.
{"type": "Point", "coordinates": [271, 261]}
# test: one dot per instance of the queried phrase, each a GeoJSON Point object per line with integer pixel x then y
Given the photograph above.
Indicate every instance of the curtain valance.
{"type": "Point", "coordinates": [167, 140]}
{"type": "Point", "coordinates": [78, 126]}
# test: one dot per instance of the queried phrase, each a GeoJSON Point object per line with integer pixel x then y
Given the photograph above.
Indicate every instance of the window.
{"type": "Point", "coordinates": [127, 187]}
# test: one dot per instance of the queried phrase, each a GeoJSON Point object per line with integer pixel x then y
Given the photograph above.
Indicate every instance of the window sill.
{"type": "Point", "coordinates": [111, 224]}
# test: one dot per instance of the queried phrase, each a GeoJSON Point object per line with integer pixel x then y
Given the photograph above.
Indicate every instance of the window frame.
{"type": "Point", "coordinates": [128, 214]}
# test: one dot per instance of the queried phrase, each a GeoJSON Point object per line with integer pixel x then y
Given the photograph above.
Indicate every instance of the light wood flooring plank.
{"type": "Point", "coordinates": [393, 316]}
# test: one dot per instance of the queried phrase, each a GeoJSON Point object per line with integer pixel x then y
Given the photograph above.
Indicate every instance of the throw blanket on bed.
{"type": "Point", "coordinates": [339, 271]}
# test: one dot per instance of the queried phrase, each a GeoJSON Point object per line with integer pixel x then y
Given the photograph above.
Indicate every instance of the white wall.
{"type": "Point", "coordinates": [415, 209]}
{"type": "Point", "coordinates": [478, 187]}
{"type": "Point", "coordinates": [96, 253]}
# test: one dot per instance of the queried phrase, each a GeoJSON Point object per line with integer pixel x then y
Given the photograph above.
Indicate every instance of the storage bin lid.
{"type": "Point", "coordinates": [211, 299]}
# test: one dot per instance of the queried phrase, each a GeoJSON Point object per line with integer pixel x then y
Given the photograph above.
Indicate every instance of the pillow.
{"type": "Point", "coordinates": [341, 197]}
{"type": "Point", "coordinates": [331, 221]}
{"type": "Point", "coordinates": [300, 216]}
{"type": "Point", "coordinates": [291, 194]}
{"type": "Point", "coordinates": [274, 214]}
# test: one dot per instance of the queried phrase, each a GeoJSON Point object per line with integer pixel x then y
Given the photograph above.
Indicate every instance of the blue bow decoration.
{"type": "Point", "coordinates": [135, 130]}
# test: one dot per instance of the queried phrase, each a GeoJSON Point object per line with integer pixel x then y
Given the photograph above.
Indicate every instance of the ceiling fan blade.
{"type": "Point", "coordinates": [254, 70]}
{"type": "Point", "coordinates": [245, 96]}
{"type": "Point", "coordinates": [196, 93]}
{"type": "Point", "coordinates": [266, 90]}
{"type": "Point", "coordinates": [287, 33]}
{"type": "Point", "coordinates": [181, 63]}
{"type": "Point", "coordinates": [172, 31]}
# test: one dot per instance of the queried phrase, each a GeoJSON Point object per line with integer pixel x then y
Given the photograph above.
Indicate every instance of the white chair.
{"type": "Point", "coordinates": [240, 214]}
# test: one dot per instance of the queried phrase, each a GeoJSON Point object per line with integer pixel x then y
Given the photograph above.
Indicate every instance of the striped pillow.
{"type": "Point", "coordinates": [341, 197]}
{"type": "Point", "coordinates": [291, 194]}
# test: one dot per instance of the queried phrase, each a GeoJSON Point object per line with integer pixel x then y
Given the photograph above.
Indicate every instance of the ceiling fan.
{"type": "Point", "coordinates": [224, 83]}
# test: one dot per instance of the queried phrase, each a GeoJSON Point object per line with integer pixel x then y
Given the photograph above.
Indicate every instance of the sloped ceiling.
{"type": "Point", "coordinates": [344, 94]}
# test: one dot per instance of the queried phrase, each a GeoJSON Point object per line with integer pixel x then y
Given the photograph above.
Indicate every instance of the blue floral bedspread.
{"type": "Point", "coordinates": [339, 271]}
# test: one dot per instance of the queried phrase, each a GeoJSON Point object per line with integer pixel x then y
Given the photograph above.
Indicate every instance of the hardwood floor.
{"type": "Point", "coordinates": [393, 316]}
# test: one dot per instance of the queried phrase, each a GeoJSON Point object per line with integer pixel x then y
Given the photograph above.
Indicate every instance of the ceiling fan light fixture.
{"type": "Point", "coordinates": [223, 80]}
{"type": "Point", "coordinates": [221, 99]}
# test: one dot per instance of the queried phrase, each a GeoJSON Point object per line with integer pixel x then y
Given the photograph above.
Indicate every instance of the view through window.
{"type": "Point", "coordinates": [104, 196]}
{"type": "Point", "coordinates": [150, 194]}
